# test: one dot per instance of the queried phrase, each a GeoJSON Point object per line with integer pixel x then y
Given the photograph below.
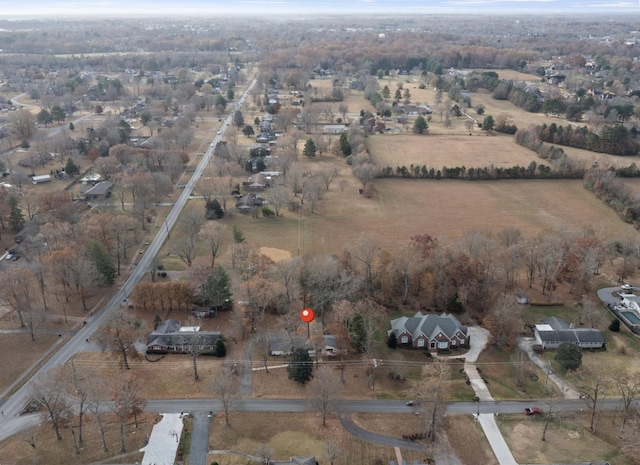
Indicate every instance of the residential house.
{"type": "Point", "coordinates": [430, 331]}
{"type": "Point", "coordinates": [171, 337]}
{"type": "Point", "coordinates": [248, 202]}
{"type": "Point", "coordinates": [102, 190]}
{"type": "Point", "coordinates": [256, 182]}
{"type": "Point", "coordinates": [334, 128]}
{"type": "Point", "coordinates": [555, 331]}
{"type": "Point", "coordinates": [282, 344]}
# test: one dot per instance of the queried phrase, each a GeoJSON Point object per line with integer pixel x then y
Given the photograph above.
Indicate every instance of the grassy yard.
{"type": "Point", "coordinates": [568, 440]}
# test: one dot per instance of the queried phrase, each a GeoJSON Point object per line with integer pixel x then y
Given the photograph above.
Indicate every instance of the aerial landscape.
{"type": "Point", "coordinates": [320, 233]}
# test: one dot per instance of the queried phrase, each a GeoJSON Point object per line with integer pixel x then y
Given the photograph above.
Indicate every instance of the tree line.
{"type": "Point", "coordinates": [615, 140]}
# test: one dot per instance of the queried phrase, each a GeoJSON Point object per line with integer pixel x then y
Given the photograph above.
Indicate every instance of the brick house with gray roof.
{"type": "Point", "coordinates": [171, 337]}
{"type": "Point", "coordinates": [432, 332]}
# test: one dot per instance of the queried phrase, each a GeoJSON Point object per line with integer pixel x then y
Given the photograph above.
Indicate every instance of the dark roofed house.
{"type": "Point", "coordinates": [102, 190]}
{"type": "Point", "coordinates": [554, 331]}
{"type": "Point", "coordinates": [430, 331]}
{"type": "Point", "coordinates": [248, 202]}
{"type": "Point", "coordinates": [282, 344]}
{"type": "Point", "coordinates": [256, 182]}
{"type": "Point", "coordinates": [171, 337]}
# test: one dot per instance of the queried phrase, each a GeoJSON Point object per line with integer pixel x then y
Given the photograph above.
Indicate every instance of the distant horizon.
{"type": "Point", "coordinates": [39, 9]}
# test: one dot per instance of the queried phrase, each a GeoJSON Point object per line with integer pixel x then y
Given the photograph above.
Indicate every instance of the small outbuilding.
{"type": "Point", "coordinates": [41, 179]}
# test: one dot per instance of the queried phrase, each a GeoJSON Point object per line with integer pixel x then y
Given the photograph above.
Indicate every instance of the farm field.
{"type": "Point", "coordinates": [476, 151]}
{"type": "Point", "coordinates": [448, 209]}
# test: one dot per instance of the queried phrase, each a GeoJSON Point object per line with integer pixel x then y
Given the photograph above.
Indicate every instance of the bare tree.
{"type": "Point", "coordinates": [435, 376]}
{"type": "Point", "coordinates": [213, 234]}
{"type": "Point", "coordinates": [97, 398]}
{"type": "Point", "coordinates": [591, 313]}
{"type": "Point", "coordinates": [127, 401]}
{"type": "Point", "coordinates": [365, 251]}
{"type": "Point", "coordinates": [332, 451]}
{"type": "Point", "coordinates": [551, 402]}
{"type": "Point", "coordinates": [365, 172]}
{"type": "Point", "coordinates": [265, 453]}
{"type": "Point", "coordinates": [629, 388]}
{"type": "Point", "coordinates": [594, 385]}
{"type": "Point", "coordinates": [323, 392]}
{"type": "Point", "coordinates": [226, 388]}
{"type": "Point", "coordinates": [502, 322]}
{"type": "Point", "coordinates": [16, 293]}
{"type": "Point", "coordinates": [119, 335]}
{"type": "Point", "coordinates": [327, 175]}
{"type": "Point", "coordinates": [186, 247]}
{"type": "Point", "coordinates": [46, 391]}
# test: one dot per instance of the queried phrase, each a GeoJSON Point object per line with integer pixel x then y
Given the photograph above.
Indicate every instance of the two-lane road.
{"type": "Point", "coordinates": [10, 423]}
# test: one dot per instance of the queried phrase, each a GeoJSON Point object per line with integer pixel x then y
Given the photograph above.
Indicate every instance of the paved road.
{"type": "Point", "coordinates": [9, 426]}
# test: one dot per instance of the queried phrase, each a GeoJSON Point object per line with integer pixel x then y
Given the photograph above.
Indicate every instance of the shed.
{"type": "Point", "coordinates": [521, 298]}
{"type": "Point", "coordinates": [41, 179]}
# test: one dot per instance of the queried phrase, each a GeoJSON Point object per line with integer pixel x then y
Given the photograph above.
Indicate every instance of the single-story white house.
{"type": "Point", "coordinates": [334, 128]}
{"type": "Point", "coordinates": [555, 331]}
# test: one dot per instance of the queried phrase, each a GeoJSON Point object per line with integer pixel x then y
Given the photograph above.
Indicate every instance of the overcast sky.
{"type": "Point", "coordinates": [12, 8]}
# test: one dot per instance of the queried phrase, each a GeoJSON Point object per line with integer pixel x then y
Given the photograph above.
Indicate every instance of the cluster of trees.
{"type": "Point", "coordinates": [67, 396]}
{"type": "Point", "coordinates": [611, 189]}
{"type": "Point", "coordinates": [616, 140]}
{"type": "Point", "coordinates": [533, 171]}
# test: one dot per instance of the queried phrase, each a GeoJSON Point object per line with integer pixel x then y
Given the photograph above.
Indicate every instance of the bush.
{"type": "Point", "coordinates": [266, 211]}
{"type": "Point", "coordinates": [615, 325]}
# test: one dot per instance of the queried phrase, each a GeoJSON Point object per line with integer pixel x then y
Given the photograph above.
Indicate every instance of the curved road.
{"type": "Point", "coordinates": [10, 424]}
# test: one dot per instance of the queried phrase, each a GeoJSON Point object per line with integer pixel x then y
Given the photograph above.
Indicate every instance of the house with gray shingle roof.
{"type": "Point", "coordinates": [430, 331]}
{"type": "Point", "coordinates": [554, 331]}
{"type": "Point", "coordinates": [171, 337]}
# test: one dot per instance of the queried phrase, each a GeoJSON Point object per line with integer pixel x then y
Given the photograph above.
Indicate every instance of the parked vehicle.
{"type": "Point", "coordinates": [533, 411]}
{"type": "Point", "coordinates": [626, 287]}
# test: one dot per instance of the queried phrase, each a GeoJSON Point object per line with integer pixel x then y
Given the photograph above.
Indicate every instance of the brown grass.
{"type": "Point", "coordinates": [451, 151]}
{"type": "Point", "coordinates": [567, 440]}
{"type": "Point", "coordinates": [18, 450]}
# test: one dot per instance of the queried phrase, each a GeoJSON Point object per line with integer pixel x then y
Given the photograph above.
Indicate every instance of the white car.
{"type": "Point", "coordinates": [9, 256]}
{"type": "Point", "coordinates": [626, 287]}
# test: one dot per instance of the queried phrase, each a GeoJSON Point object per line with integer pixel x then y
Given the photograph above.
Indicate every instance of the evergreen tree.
{"type": "Point", "coordinates": [72, 126]}
{"type": "Point", "coordinates": [386, 93]}
{"type": "Point", "coordinates": [392, 341]}
{"type": "Point", "coordinates": [420, 125]}
{"type": "Point", "coordinates": [238, 119]}
{"type": "Point", "coordinates": [57, 113]}
{"type": "Point", "coordinates": [488, 123]}
{"type": "Point", "coordinates": [213, 210]}
{"type": "Point", "coordinates": [569, 356]}
{"type": "Point", "coordinates": [44, 117]}
{"type": "Point", "coordinates": [345, 145]}
{"type": "Point", "coordinates": [71, 168]}
{"type": "Point", "coordinates": [238, 237]}
{"type": "Point", "coordinates": [398, 95]}
{"type": "Point", "coordinates": [216, 290]}
{"type": "Point", "coordinates": [300, 369]}
{"type": "Point", "coordinates": [615, 325]}
{"type": "Point", "coordinates": [221, 349]}
{"type": "Point", "coordinates": [16, 218]}
{"type": "Point", "coordinates": [248, 130]}
{"type": "Point", "coordinates": [103, 262]}
{"type": "Point", "coordinates": [310, 148]}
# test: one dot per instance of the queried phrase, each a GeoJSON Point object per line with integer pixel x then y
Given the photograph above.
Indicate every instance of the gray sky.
{"type": "Point", "coordinates": [300, 7]}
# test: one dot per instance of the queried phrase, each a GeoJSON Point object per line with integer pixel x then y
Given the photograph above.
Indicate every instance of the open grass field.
{"type": "Point", "coordinates": [435, 152]}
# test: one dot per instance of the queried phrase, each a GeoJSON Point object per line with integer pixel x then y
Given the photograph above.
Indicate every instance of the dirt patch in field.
{"type": "Point", "coordinates": [277, 255]}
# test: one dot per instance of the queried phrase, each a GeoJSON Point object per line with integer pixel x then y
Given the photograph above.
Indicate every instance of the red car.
{"type": "Point", "coordinates": [533, 411]}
